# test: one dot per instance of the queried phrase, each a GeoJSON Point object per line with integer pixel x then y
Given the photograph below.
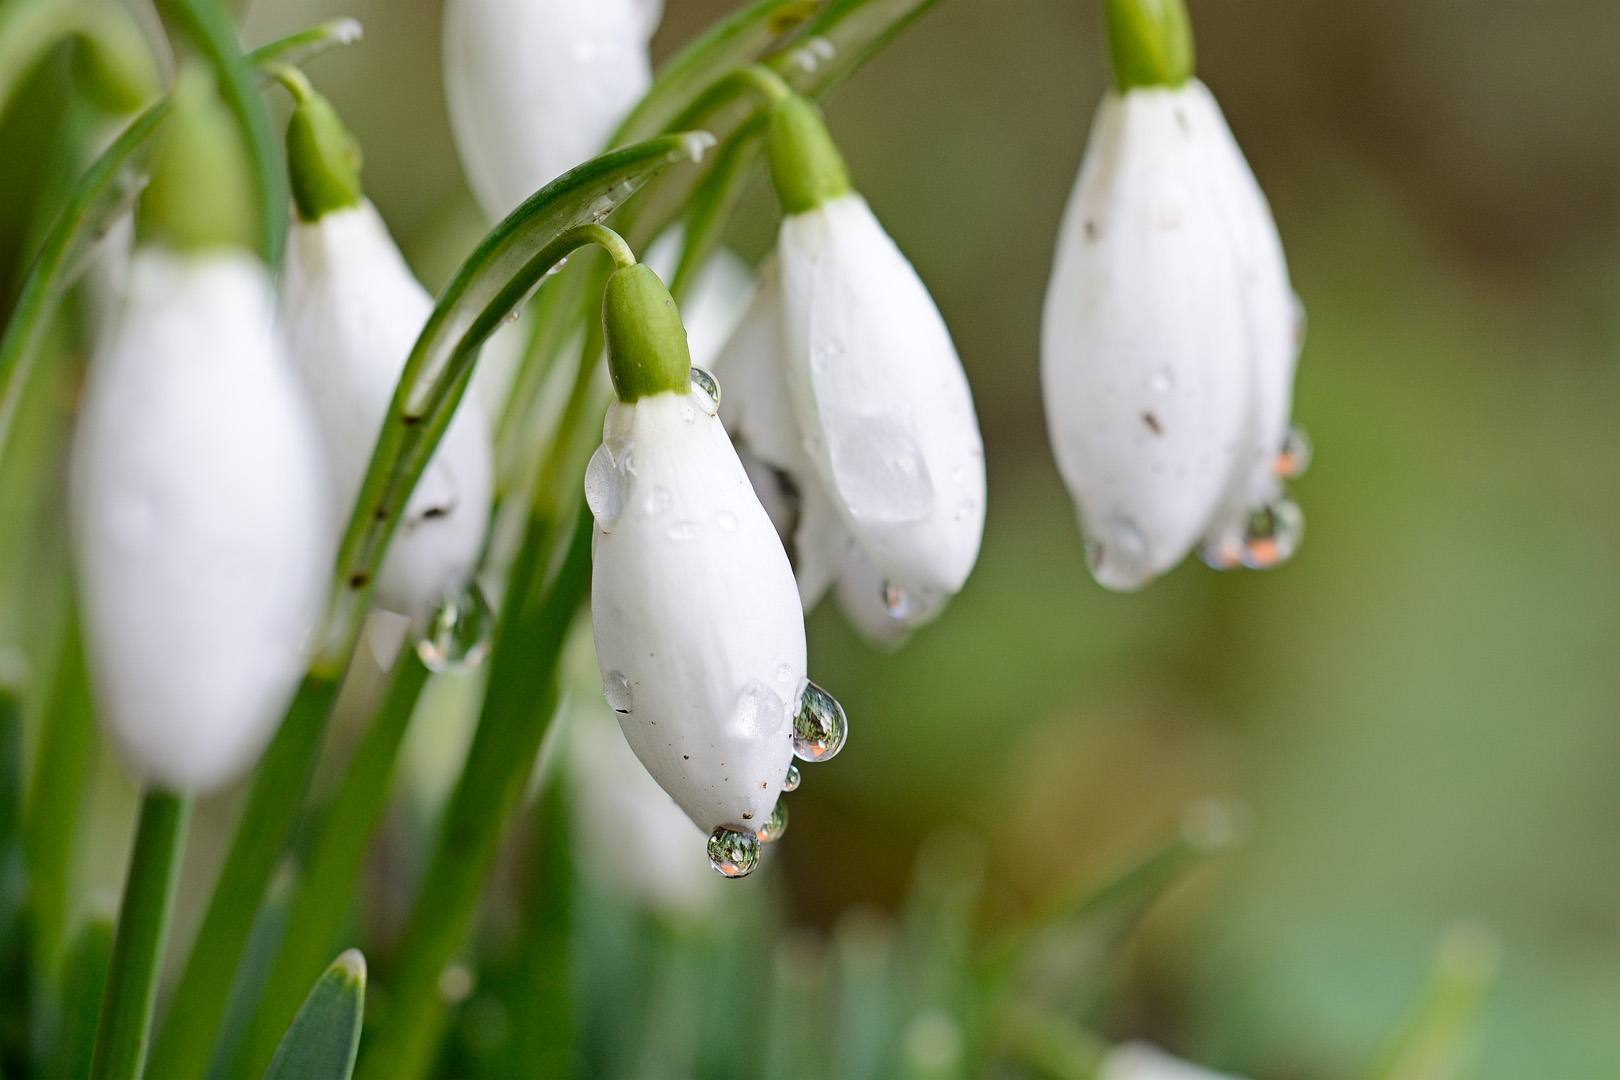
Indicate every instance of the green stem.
{"type": "Point", "coordinates": [143, 931]}
{"type": "Point", "coordinates": [325, 896]}
{"type": "Point", "coordinates": [186, 1039]}
{"type": "Point", "coordinates": [516, 715]}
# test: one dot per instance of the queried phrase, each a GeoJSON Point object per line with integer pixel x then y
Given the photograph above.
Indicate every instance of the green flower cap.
{"type": "Point", "coordinates": [323, 159]}
{"type": "Point", "coordinates": [1150, 42]}
{"type": "Point", "coordinates": [806, 167]}
{"type": "Point", "coordinates": [646, 341]}
{"type": "Point", "coordinates": [201, 194]}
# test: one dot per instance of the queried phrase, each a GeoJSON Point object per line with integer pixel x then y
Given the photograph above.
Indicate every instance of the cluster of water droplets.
{"type": "Point", "coordinates": [458, 634]}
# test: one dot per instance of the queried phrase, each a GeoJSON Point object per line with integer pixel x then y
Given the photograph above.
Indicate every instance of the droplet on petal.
{"type": "Point", "coordinates": [1296, 454]}
{"type": "Point", "coordinates": [708, 388]}
{"type": "Point", "coordinates": [1274, 534]}
{"type": "Point", "coordinates": [1118, 555]}
{"type": "Point", "coordinates": [879, 468]}
{"type": "Point", "coordinates": [733, 853]}
{"type": "Point", "coordinates": [773, 829]}
{"type": "Point", "coordinates": [793, 780]}
{"type": "Point", "coordinates": [458, 635]}
{"type": "Point", "coordinates": [819, 727]}
{"type": "Point", "coordinates": [616, 688]}
{"type": "Point", "coordinates": [760, 712]}
{"type": "Point", "coordinates": [607, 483]}
{"type": "Point", "coordinates": [899, 603]}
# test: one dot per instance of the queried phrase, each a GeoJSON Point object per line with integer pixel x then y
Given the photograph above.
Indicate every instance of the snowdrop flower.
{"type": "Point", "coordinates": [1171, 331]}
{"type": "Point", "coordinates": [536, 87]}
{"type": "Point", "coordinates": [883, 408]}
{"type": "Point", "coordinates": [1144, 1061]}
{"type": "Point", "coordinates": [699, 633]}
{"type": "Point", "coordinates": [353, 311]}
{"type": "Point", "coordinates": [202, 540]}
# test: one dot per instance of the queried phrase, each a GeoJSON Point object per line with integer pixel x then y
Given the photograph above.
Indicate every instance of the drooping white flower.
{"type": "Point", "coordinates": [536, 87]}
{"type": "Point", "coordinates": [201, 527]}
{"type": "Point", "coordinates": [882, 404]}
{"type": "Point", "coordinates": [1169, 343]}
{"type": "Point", "coordinates": [353, 311]}
{"type": "Point", "coordinates": [699, 633]}
{"type": "Point", "coordinates": [1144, 1061]}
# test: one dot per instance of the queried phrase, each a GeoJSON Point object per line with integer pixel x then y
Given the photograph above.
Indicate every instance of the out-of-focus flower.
{"type": "Point", "coordinates": [1144, 1061]}
{"type": "Point", "coordinates": [201, 530]}
{"type": "Point", "coordinates": [535, 87]}
{"type": "Point", "coordinates": [1171, 331]}
{"type": "Point", "coordinates": [353, 311]}
{"type": "Point", "coordinates": [699, 633]}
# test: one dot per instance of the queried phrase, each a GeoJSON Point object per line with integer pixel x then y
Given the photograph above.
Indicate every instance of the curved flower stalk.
{"type": "Point", "coordinates": [699, 632]}
{"type": "Point", "coordinates": [536, 86]}
{"type": "Point", "coordinates": [1171, 332]}
{"type": "Point", "coordinates": [1144, 1061]}
{"type": "Point", "coordinates": [203, 541]}
{"type": "Point", "coordinates": [352, 311]}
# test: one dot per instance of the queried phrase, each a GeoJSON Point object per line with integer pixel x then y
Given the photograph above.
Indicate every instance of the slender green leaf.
{"type": "Point", "coordinates": [83, 981]}
{"type": "Point", "coordinates": [125, 1024]}
{"type": "Point", "coordinates": [104, 192]}
{"type": "Point", "coordinates": [1441, 1039]}
{"type": "Point", "coordinates": [324, 1037]}
{"type": "Point", "coordinates": [298, 49]}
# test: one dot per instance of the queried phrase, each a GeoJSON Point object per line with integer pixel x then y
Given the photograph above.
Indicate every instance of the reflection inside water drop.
{"type": "Point", "coordinates": [458, 635]}
{"type": "Point", "coordinates": [819, 727]}
{"type": "Point", "coordinates": [733, 853]}
{"type": "Point", "coordinates": [777, 824]}
{"type": "Point", "coordinates": [708, 388]}
{"type": "Point", "coordinates": [1274, 534]}
{"type": "Point", "coordinates": [1295, 457]}
{"type": "Point", "coordinates": [793, 779]}
{"type": "Point", "coordinates": [899, 603]}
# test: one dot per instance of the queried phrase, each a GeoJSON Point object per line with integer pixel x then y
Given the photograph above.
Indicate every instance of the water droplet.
{"type": "Point", "coordinates": [793, 779]}
{"type": "Point", "coordinates": [1297, 451]}
{"type": "Point", "coordinates": [684, 530]}
{"type": "Point", "coordinates": [657, 501]}
{"type": "Point", "coordinates": [733, 853]}
{"type": "Point", "coordinates": [607, 482]}
{"type": "Point", "coordinates": [1163, 381]}
{"type": "Point", "coordinates": [773, 828]}
{"type": "Point", "coordinates": [616, 688]}
{"type": "Point", "coordinates": [967, 509]}
{"type": "Point", "coordinates": [760, 712]}
{"type": "Point", "coordinates": [899, 603]}
{"type": "Point", "coordinates": [708, 387]}
{"type": "Point", "coordinates": [695, 144]}
{"type": "Point", "coordinates": [725, 520]}
{"type": "Point", "coordinates": [458, 635]}
{"type": "Point", "coordinates": [825, 352]}
{"type": "Point", "coordinates": [1118, 555]}
{"type": "Point", "coordinates": [879, 468]}
{"type": "Point", "coordinates": [784, 672]}
{"type": "Point", "coordinates": [819, 727]}
{"type": "Point", "coordinates": [1274, 534]}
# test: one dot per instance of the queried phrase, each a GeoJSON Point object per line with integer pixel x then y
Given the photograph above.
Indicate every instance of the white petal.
{"type": "Point", "coordinates": [720, 294]}
{"type": "Point", "coordinates": [201, 521]}
{"type": "Point", "coordinates": [882, 612]}
{"type": "Point", "coordinates": [536, 87]}
{"type": "Point", "coordinates": [881, 397]}
{"type": "Point", "coordinates": [699, 634]}
{"type": "Point", "coordinates": [757, 412]}
{"type": "Point", "coordinates": [353, 311]}
{"type": "Point", "coordinates": [649, 849]}
{"type": "Point", "coordinates": [1144, 1061]}
{"type": "Point", "coordinates": [1146, 348]}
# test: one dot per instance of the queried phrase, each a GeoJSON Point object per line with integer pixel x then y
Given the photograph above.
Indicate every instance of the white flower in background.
{"type": "Point", "coordinates": [719, 296]}
{"type": "Point", "coordinates": [353, 312]}
{"type": "Point", "coordinates": [883, 411]}
{"type": "Point", "coordinates": [536, 87]}
{"type": "Point", "coordinates": [200, 527]}
{"type": "Point", "coordinates": [699, 633]}
{"type": "Point", "coordinates": [1144, 1061]}
{"type": "Point", "coordinates": [1171, 335]}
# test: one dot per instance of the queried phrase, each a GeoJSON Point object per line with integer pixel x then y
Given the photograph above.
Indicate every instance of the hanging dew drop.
{"type": "Point", "coordinates": [899, 603]}
{"type": "Point", "coordinates": [776, 825]}
{"type": "Point", "coordinates": [793, 779]}
{"type": "Point", "coordinates": [708, 388]}
{"type": "Point", "coordinates": [616, 688]}
{"type": "Point", "coordinates": [458, 635]}
{"type": "Point", "coordinates": [1295, 458]}
{"type": "Point", "coordinates": [1274, 534]}
{"type": "Point", "coordinates": [733, 853]}
{"type": "Point", "coordinates": [819, 727]}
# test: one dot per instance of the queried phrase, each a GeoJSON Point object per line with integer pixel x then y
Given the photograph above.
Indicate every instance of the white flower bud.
{"type": "Point", "coordinates": [353, 312]}
{"type": "Point", "coordinates": [881, 400]}
{"type": "Point", "coordinates": [536, 87]}
{"type": "Point", "coordinates": [201, 529]}
{"type": "Point", "coordinates": [699, 634]}
{"type": "Point", "coordinates": [1144, 1061]}
{"type": "Point", "coordinates": [1170, 340]}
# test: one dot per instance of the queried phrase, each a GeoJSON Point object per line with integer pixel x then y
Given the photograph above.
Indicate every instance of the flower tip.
{"type": "Point", "coordinates": [646, 341]}
{"type": "Point", "coordinates": [323, 158]}
{"type": "Point", "coordinates": [200, 194]}
{"type": "Point", "coordinates": [1150, 42]}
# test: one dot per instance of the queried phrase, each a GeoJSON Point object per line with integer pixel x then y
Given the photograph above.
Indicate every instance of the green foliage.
{"type": "Point", "coordinates": [324, 1038]}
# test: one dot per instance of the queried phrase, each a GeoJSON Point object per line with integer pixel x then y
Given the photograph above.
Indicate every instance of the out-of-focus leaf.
{"type": "Point", "coordinates": [1441, 1039]}
{"type": "Point", "coordinates": [324, 1037]}
{"type": "Point", "coordinates": [864, 947]}
{"type": "Point", "coordinates": [84, 976]}
{"type": "Point", "coordinates": [793, 1044]}
{"type": "Point", "coordinates": [300, 48]}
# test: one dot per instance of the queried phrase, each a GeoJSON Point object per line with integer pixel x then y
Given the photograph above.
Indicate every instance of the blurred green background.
{"type": "Point", "coordinates": [1420, 711]}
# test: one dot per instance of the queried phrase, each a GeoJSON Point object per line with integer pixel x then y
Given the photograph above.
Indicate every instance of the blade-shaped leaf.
{"type": "Point", "coordinates": [83, 977]}
{"type": "Point", "coordinates": [305, 45]}
{"type": "Point", "coordinates": [1440, 1040]}
{"type": "Point", "coordinates": [843, 36]}
{"type": "Point", "coordinates": [490, 286]}
{"type": "Point", "coordinates": [324, 1037]}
